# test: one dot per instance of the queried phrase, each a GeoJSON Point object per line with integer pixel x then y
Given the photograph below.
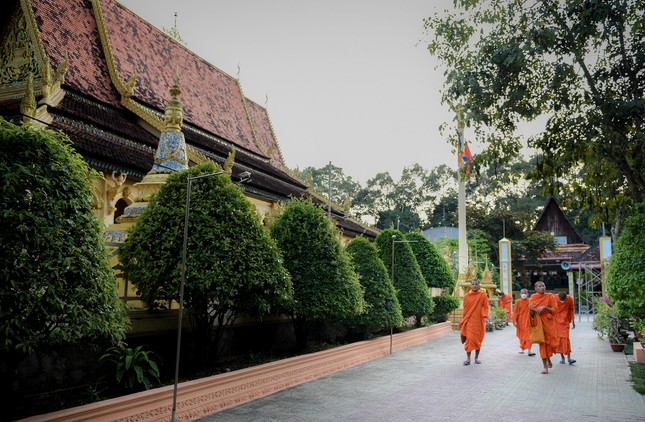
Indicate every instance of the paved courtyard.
{"type": "Point", "coordinates": [429, 383]}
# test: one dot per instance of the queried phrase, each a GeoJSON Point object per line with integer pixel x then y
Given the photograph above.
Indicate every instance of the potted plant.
{"type": "Point", "coordinates": [498, 317]}
{"type": "Point", "coordinates": [608, 323]}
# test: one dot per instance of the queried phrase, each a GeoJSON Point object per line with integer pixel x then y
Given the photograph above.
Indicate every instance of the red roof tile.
{"type": "Point", "coordinates": [264, 132]}
{"type": "Point", "coordinates": [212, 99]}
{"type": "Point", "coordinates": [69, 27]}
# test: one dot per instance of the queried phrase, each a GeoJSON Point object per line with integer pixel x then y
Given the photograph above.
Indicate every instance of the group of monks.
{"type": "Point", "coordinates": [556, 312]}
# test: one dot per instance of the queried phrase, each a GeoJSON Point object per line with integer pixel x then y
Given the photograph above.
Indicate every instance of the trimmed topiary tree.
{"type": "Point", "coordinates": [412, 290]}
{"type": "Point", "coordinates": [57, 285]}
{"type": "Point", "coordinates": [324, 282]}
{"type": "Point", "coordinates": [443, 305]}
{"type": "Point", "coordinates": [233, 267]}
{"type": "Point", "coordinates": [382, 308]}
{"type": "Point", "coordinates": [434, 268]}
{"type": "Point", "coordinates": [625, 284]}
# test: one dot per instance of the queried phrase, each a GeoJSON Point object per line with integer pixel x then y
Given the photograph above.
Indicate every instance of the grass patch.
{"type": "Point", "coordinates": [638, 376]}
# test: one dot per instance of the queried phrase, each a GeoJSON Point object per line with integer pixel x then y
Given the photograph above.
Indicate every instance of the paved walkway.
{"type": "Point", "coordinates": [429, 383]}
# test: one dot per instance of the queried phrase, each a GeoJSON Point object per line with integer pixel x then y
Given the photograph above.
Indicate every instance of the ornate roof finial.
{"type": "Point", "coordinates": [28, 103]}
{"type": "Point", "coordinates": [230, 160]}
{"type": "Point", "coordinates": [174, 114]}
{"type": "Point", "coordinates": [171, 151]}
{"type": "Point", "coordinates": [174, 32]}
{"type": "Point", "coordinates": [347, 204]}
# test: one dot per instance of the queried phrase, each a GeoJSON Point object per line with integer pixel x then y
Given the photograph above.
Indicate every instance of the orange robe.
{"type": "Point", "coordinates": [563, 319]}
{"type": "Point", "coordinates": [547, 349]}
{"type": "Point", "coordinates": [521, 318]}
{"type": "Point", "coordinates": [505, 301]}
{"type": "Point", "coordinates": [473, 324]}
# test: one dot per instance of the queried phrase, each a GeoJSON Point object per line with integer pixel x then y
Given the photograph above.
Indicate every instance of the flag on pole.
{"type": "Point", "coordinates": [463, 153]}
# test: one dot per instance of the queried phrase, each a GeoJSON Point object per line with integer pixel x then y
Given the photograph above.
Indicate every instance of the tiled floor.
{"type": "Point", "coordinates": [429, 383]}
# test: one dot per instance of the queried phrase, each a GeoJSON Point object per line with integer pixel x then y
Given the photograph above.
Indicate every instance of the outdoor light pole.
{"type": "Point", "coordinates": [244, 177]}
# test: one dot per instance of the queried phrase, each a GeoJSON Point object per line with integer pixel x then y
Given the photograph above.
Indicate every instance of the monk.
{"type": "Point", "coordinates": [504, 302]}
{"type": "Point", "coordinates": [521, 322]}
{"type": "Point", "coordinates": [473, 324]}
{"type": "Point", "coordinates": [544, 306]}
{"type": "Point", "coordinates": [563, 317]}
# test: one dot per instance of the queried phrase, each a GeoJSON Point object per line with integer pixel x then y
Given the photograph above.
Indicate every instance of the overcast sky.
{"type": "Point", "coordinates": [347, 81]}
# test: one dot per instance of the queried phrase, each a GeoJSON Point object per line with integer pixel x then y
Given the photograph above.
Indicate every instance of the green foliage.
{"type": "Point", "coordinates": [638, 376]}
{"type": "Point", "coordinates": [324, 282]}
{"type": "Point", "coordinates": [57, 286]}
{"type": "Point", "coordinates": [607, 321]}
{"type": "Point", "coordinates": [575, 65]}
{"type": "Point", "coordinates": [133, 368]}
{"type": "Point", "coordinates": [443, 306]}
{"type": "Point", "coordinates": [382, 307]}
{"type": "Point", "coordinates": [434, 267]}
{"type": "Point", "coordinates": [498, 316]}
{"type": "Point", "coordinates": [412, 290]}
{"type": "Point", "coordinates": [342, 186]}
{"type": "Point", "coordinates": [627, 267]}
{"type": "Point", "coordinates": [232, 268]}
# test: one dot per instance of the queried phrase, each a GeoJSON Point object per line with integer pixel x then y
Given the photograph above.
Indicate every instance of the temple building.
{"type": "Point", "coordinates": [138, 105]}
{"type": "Point", "coordinates": [574, 267]}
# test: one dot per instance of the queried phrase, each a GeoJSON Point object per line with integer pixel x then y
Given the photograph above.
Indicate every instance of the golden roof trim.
{"type": "Point", "coordinates": [125, 89]}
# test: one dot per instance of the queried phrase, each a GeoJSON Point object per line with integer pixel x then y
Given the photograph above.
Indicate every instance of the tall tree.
{"type": "Point", "coordinates": [578, 64]}
{"type": "Point", "coordinates": [233, 267]}
{"type": "Point", "coordinates": [412, 290]}
{"type": "Point", "coordinates": [382, 308]}
{"type": "Point", "coordinates": [342, 185]}
{"type": "Point", "coordinates": [434, 267]}
{"type": "Point", "coordinates": [57, 285]}
{"type": "Point", "coordinates": [627, 269]}
{"type": "Point", "coordinates": [324, 282]}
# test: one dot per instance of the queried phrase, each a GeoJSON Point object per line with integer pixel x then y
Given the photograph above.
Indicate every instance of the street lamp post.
{"type": "Point", "coordinates": [244, 177]}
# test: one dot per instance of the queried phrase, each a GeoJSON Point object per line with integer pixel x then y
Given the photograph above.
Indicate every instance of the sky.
{"type": "Point", "coordinates": [347, 82]}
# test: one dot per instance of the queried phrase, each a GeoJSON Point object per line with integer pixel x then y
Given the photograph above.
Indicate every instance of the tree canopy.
{"type": "Point", "coordinates": [57, 285]}
{"type": "Point", "coordinates": [233, 267]}
{"type": "Point", "coordinates": [627, 268]}
{"type": "Point", "coordinates": [576, 64]}
{"type": "Point", "coordinates": [382, 308]}
{"type": "Point", "coordinates": [324, 282]}
{"type": "Point", "coordinates": [412, 290]}
{"type": "Point", "coordinates": [434, 267]}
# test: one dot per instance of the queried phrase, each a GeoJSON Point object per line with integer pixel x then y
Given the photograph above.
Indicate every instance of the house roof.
{"type": "Point", "coordinates": [553, 220]}
{"type": "Point", "coordinates": [212, 100]}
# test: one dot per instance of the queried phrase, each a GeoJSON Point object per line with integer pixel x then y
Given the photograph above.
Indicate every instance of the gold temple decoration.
{"type": "Point", "coordinates": [174, 114]}
{"type": "Point", "coordinates": [347, 204]}
{"type": "Point", "coordinates": [230, 160]}
{"type": "Point", "coordinates": [28, 103]}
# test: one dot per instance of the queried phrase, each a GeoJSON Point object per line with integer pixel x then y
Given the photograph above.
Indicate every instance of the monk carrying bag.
{"type": "Point", "coordinates": [537, 332]}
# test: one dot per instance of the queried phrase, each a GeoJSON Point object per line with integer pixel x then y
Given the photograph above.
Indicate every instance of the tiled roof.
{"type": "Point", "coordinates": [264, 132]}
{"type": "Point", "coordinates": [212, 100]}
{"type": "Point", "coordinates": [69, 27]}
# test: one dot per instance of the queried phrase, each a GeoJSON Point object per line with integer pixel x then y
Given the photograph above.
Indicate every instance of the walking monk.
{"type": "Point", "coordinates": [473, 324]}
{"type": "Point", "coordinates": [521, 322]}
{"type": "Point", "coordinates": [504, 302]}
{"type": "Point", "coordinates": [544, 305]}
{"type": "Point", "coordinates": [563, 317]}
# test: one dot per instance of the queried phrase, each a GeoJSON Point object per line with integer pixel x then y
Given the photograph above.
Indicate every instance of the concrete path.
{"type": "Point", "coordinates": [429, 383]}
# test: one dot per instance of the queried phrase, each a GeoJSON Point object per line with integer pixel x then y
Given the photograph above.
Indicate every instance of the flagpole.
{"type": "Point", "coordinates": [463, 245]}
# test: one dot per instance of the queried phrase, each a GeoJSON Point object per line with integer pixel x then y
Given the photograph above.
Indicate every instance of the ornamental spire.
{"type": "Point", "coordinates": [171, 153]}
